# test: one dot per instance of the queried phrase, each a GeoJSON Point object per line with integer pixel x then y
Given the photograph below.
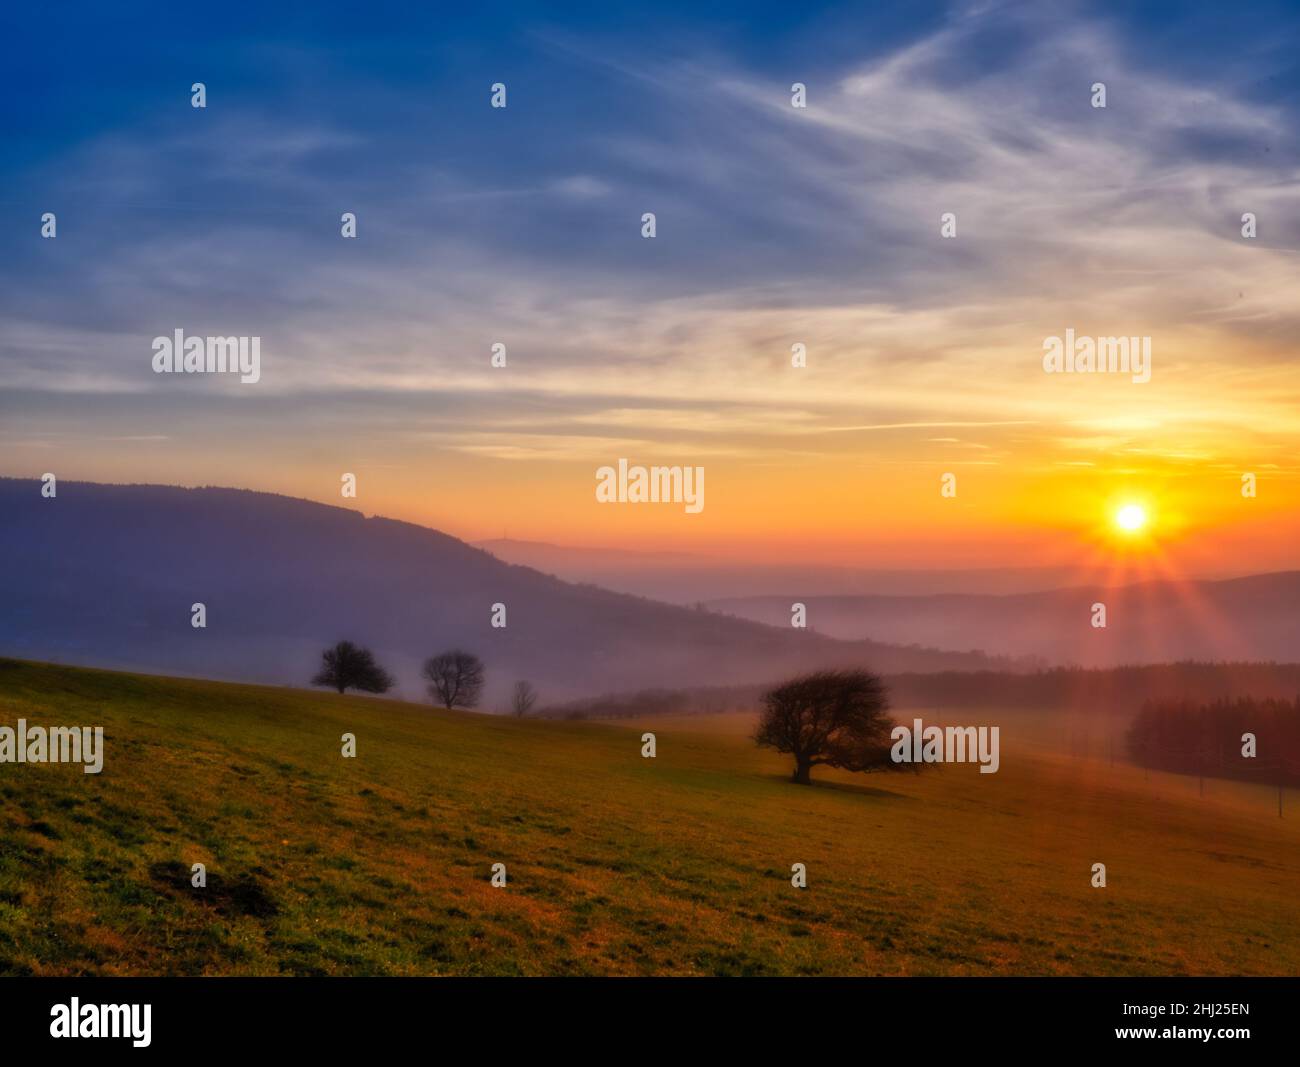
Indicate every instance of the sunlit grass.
{"type": "Point", "coordinates": [617, 864]}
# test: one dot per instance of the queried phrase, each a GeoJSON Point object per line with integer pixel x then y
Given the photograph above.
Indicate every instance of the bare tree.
{"type": "Point", "coordinates": [455, 678]}
{"type": "Point", "coordinates": [348, 666]}
{"type": "Point", "coordinates": [525, 696]}
{"type": "Point", "coordinates": [835, 718]}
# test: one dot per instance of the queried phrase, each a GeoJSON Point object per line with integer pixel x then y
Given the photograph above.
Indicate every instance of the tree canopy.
{"type": "Point", "coordinates": [348, 666]}
{"type": "Point", "coordinates": [829, 718]}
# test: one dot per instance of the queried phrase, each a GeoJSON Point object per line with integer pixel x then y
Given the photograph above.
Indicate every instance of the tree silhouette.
{"type": "Point", "coordinates": [523, 699]}
{"type": "Point", "coordinates": [347, 666]}
{"type": "Point", "coordinates": [455, 678]}
{"type": "Point", "coordinates": [1190, 736]}
{"type": "Point", "coordinates": [831, 718]}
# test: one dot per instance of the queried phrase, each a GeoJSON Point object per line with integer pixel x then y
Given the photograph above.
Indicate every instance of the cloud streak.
{"type": "Point", "coordinates": [776, 226]}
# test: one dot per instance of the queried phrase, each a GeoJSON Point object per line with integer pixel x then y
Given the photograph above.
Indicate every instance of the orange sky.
{"type": "Point", "coordinates": [1040, 493]}
{"type": "Point", "coordinates": [817, 227]}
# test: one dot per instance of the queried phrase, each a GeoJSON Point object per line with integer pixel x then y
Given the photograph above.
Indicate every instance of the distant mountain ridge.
{"type": "Point", "coordinates": [106, 575]}
{"type": "Point", "coordinates": [1251, 618]}
{"type": "Point", "coordinates": [687, 578]}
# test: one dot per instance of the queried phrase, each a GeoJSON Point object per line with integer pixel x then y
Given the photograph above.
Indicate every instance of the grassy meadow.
{"type": "Point", "coordinates": [320, 865]}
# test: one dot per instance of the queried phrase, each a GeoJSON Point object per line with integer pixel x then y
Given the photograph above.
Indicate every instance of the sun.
{"type": "Point", "coordinates": [1131, 518]}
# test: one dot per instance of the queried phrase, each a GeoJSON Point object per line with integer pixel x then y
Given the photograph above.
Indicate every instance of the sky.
{"type": "Point", "coordinates": [775, 226]}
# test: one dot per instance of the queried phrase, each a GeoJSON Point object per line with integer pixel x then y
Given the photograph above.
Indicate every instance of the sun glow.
{"type": "Point", "coordinates": [1131, 518]}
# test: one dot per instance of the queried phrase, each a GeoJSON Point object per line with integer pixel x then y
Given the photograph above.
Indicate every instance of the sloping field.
{"type": "Point", "coordinates": [617, 864]}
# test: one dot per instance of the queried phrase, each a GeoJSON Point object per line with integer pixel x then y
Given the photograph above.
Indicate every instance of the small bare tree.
{"type": "Point", "coordinates": [525, 696]}
{"type": "Point", "coordinates": [455, 678]}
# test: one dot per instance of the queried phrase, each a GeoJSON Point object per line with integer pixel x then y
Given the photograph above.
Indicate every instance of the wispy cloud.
{"type": "Point", "coordinates": [776, 226]}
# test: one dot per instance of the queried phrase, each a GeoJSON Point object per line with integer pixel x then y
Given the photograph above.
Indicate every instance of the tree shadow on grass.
{"type": "Point", "coordinates": [840, 787]}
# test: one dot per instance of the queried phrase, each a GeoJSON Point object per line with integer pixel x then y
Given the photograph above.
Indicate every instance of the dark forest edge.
{"type": "Point", "coordinates": [1102, 691]}
{"type": "Point", "coordinates": [1248, 739]}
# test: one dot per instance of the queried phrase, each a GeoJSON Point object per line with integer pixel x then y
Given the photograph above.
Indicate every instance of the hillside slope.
{"type": "Point", "coordinates": [106, 575]}
{"type": "Point", "coordinates": [1252, 618]}
{"type": "Point", "coordinates": [616, 864]}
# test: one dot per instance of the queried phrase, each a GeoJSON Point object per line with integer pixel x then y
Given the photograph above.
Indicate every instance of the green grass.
{"type": "Point", "coordinates": [617, 864]}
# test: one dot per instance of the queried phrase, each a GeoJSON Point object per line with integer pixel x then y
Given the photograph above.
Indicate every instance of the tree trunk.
{"type": "Point", "coordinates": [802, 774]}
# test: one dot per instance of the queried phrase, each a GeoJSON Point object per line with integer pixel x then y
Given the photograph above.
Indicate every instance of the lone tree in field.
{"type": "Point", "coordinates": [835, 718]}
{"type": "Point", "coordinates": [455, 678]}
{"type": "Point", "coordinates": [347, 666]}
{"type": "Point", "coordinates": [523, 699]}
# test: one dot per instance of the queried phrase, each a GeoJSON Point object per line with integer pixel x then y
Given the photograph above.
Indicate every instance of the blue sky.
{"type": "Point", "coordinates": [522, 226]}
{"type": "Point", "coordinates": [613, 111]}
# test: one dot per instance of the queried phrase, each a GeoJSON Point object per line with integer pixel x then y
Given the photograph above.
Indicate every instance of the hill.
{"type": "Point", "coordinates": [616, 864]}
{"type": "Point", "coordinates": [1253, 618]}
{"type": "Point", "coordinates": [107, 574]}
{"type": "Point", "coordinates": [685, 578]}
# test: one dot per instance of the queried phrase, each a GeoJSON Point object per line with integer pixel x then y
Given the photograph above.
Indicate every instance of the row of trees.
{"type": "Point", "coordinates": [828, 718]}
{"type": "Point", "coordinates": [1248, 738]}
{"type": "Point", "coordinates": [1107, 690]}
{"type": "Point", "coordinates": [1117, 691]}
{"type": "Point", "coordinates": [455, 678]}
{"type": "Point", "coordinates": [840, 719]}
